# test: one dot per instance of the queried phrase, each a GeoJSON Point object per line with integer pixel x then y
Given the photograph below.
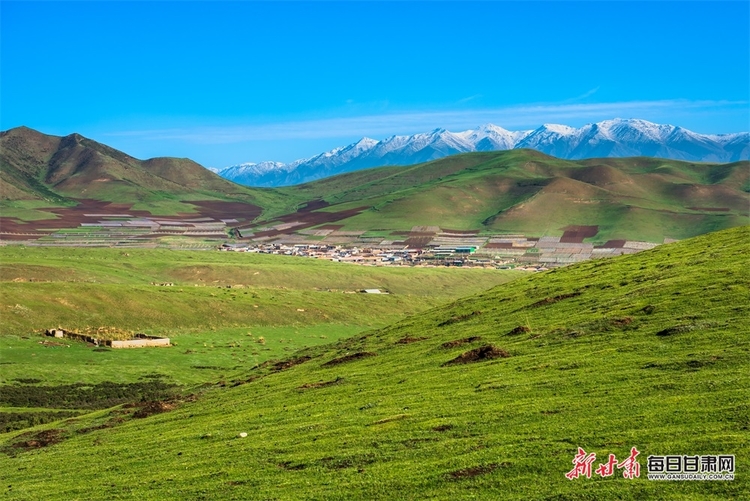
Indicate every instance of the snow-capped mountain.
{"type": "Point", "coordinates": [627, 138]}
{"type": "Point", "coordinates": [610, 138]}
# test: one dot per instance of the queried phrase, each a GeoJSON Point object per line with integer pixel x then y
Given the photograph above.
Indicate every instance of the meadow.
{"type": "Point", "coordinates": [488, 397]}
{"type": "Point", "coordinates": [224, 312]}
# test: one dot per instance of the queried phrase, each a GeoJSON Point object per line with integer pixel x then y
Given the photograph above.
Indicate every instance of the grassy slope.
{"type": "Point", "coordinates": [78, 288]}
{"type": "Point", "coordinates": [599, 370]}
{"type": "Point", "coordinates": [526, 191]}
{"type": "Point", "coordinates": [36, 166]}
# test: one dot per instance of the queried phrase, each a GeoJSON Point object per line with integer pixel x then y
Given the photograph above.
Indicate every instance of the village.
{"type": "Point", "coordinates": [433, 246]}
{"type": "Point", "coordinates": [420, 246]}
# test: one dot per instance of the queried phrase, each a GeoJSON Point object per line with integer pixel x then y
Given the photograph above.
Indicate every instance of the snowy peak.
{"type": "Point", "coordinates": [609, 138]}
{"type": "Point", "coordinates": [252, 168]}
{"type": "Point", "coordinates": [490, 137]}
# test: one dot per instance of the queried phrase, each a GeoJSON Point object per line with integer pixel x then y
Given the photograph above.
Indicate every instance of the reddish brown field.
{"type": "Point", "coordinates": [417, 242]}
{"type": "Point", "coordinates": [500, 245]}
{"type": "Point", "coordinates": [308, 219]}
{"type": "Point", "coordinates": [576, 234]}
{"type": "Point", "coordinates": [91, 211]}
{"type": "Point", "coordinates": [460, 232]}
{"type": "Point", "coordinates": [228, 210]}
{"type": "Point", "coordinates": [612, 244]}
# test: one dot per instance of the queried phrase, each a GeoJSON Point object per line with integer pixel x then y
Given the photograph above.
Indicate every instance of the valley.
{"type": "Point", "coordinates": [376, 251]}
{"type": "Point", "coordinates": [438, 370]}
{"type": "Point", "coordinates": [52, 187]}
{"type": "Point", "coordinates": [638, 351]}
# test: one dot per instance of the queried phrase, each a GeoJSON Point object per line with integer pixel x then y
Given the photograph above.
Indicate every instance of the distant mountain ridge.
{"type": "Point", "coordinates": [609, 138]}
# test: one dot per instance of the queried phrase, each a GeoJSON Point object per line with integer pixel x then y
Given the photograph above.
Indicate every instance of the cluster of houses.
{"type": "Point", "coordinates": [449, 249]}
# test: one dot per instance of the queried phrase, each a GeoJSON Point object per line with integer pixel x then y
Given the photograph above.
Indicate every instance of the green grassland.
{"type": "Point", "coordinates": [218, 307]}
{"type": "Point", "coordinates": [648, 351]}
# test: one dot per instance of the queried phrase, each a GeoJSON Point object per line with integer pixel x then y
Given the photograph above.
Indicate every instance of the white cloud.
{"type": "Point", "coordinates": [408, 122]}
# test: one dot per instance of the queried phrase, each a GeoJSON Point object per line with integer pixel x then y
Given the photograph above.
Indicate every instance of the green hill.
{"type": "Point", "coordinates": [528, 192]}
{"type": "Point", "coordinates": [518, 191]}
{"type": "Point", "coordinates": [62, 170]}
{"type": "Point", "coordinates": [487, 398]}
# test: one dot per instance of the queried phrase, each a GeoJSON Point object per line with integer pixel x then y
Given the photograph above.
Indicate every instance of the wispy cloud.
{"type": "Point", "coordinates": [470, 98]}
{"type": "Point", "coordinates": [583, 96]}
{"type": "Point", "coordinates": [381, 125]}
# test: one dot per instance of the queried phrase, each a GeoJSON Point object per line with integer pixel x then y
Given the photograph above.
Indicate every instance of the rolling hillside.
{"type": "Point", "coordinates": [528, 191]}
{"type": "Point", "coordinates": [517, 191]}
{"type": "Point", "coordinates": [61, 170]}
{"type": "Point", "coordinates": [487, 398]}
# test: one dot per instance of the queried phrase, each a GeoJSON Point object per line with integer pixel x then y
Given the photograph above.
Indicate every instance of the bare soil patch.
{"type": "Point", "coordinates": [677, 329]}
{"type": "Point", "coordinates": [409, 340]}
{"type": "Point", "coordinates": [443, 427]}
{"type": "Point", "coordinates": [107, 424]}
{"type": "Point", "coordinates": [521, 329]}
{"type": "Point", "coordinates": [354, 461]}
{"type": "Point", "coordinates": [321, 384]}
{"type": "Point", "coordinates": [289, 466]}
{"type": "Point", "coordinates": [459, 318]}
{"type": "Point", "coordinates": [349, 358]}
{"type": "Point", "coordinates": [460, 342]}
{"type": "Point", "coordinates": [486, 352]}
{"type": "Point", "coordinates": [39, 439]}
{"type": "Point", "coordinates": [287, 364]}
{"type": "Point", "coordinates": [474, 471]}
{"type": "Point", "coordinates": [551, 300]}
{"type": "Point", "coordinates": [621, 322]}
{"type": "Point", "coordinates": [147, 409]}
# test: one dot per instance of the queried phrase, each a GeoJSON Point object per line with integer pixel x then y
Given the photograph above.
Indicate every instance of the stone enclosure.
{"type": "Point", "coordinates": [140, 341]}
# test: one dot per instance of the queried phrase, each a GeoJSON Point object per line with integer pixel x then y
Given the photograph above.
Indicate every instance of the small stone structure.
{"type": "Point", "coordinates": [140, 341]}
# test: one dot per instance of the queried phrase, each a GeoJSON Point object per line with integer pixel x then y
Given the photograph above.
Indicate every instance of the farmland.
{"type": "Point", "coordinates": [646, 351]}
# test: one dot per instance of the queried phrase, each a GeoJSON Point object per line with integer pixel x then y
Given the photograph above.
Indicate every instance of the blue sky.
{"type": "Point", "coordinates": [224, 83]}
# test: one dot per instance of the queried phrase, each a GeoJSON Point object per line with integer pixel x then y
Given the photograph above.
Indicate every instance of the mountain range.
{"type": "Point", "coordinates": [609, 138]}
{"type": "Point", "coordinates": [519, 190]}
